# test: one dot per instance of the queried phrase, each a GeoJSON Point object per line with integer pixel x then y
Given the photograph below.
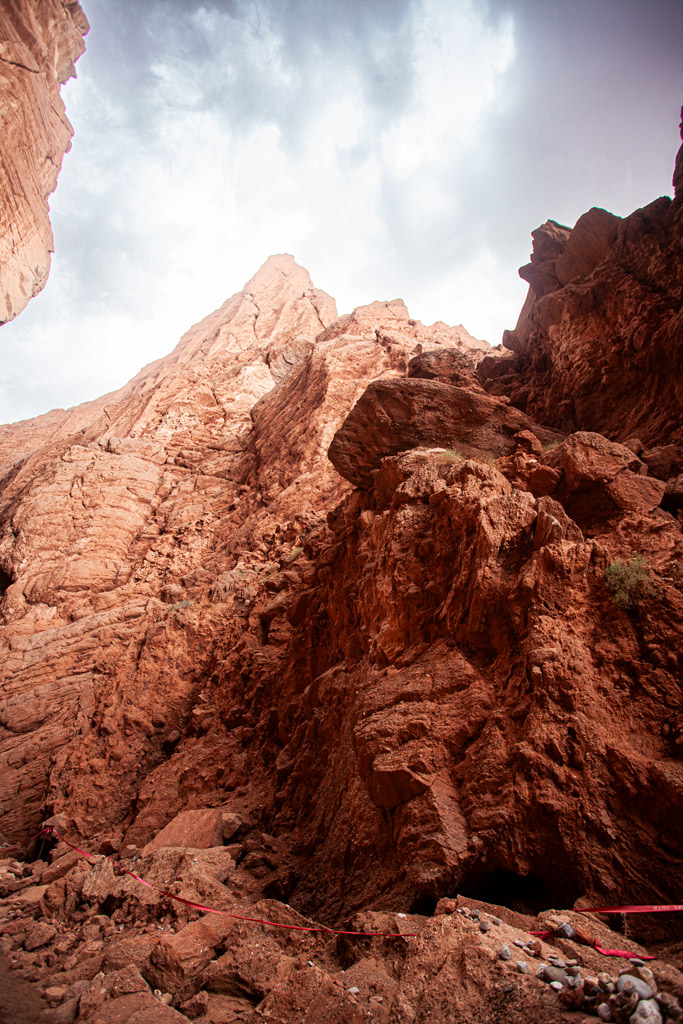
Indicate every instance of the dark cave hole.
{"type": "Point", "coordinates": [110, 905]}
{"type": "Point", "coordinates": [40, 848]}
{"type": "Point", "coordinates": [5, 581]}
{"type": "Point", "coordinates": [526, 894]}
{"type": "Point", "coordinates": [424, 905]}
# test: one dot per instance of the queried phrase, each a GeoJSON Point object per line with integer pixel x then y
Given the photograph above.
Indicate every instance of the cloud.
{"type": "Point", "coordinates": [396, 147]}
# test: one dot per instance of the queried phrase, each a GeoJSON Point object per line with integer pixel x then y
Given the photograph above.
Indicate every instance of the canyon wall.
{"type": "Point", "coordinates": [39, 42]}
{"type": "Point", "coordinates": [397, 662]}
{"type": "Point", "coordinates": [353, 614]}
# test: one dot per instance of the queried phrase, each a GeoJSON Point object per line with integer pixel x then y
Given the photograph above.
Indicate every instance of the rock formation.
{"type": "Point", "coordinates": [442, 660]}
{"type": "Point", "coordinates": [39, 42]}
{"type": "Point", "coordinates": [599, 342]}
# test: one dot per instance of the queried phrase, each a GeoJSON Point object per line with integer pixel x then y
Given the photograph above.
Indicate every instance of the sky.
{"type": "Point", "coordinates": [397, 148]}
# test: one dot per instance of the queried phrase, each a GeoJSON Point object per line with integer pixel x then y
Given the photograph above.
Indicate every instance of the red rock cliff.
{"type": "Point", "coordinates": [39, 42]}
{"type": "Point", "coordinates": [358, 683]}
{"type": "Point", "coordinates": [599, 342]}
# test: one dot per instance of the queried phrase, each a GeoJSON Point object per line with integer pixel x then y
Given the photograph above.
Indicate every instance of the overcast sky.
{"type": "Point", "coordinates": [397, 148]}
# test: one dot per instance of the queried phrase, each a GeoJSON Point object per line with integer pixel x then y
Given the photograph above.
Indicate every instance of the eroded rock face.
{"type": "Point", "coordinates": [598, 345]}
{"type": "Point", "coordinates": [39, 42]}
{"type": "Point", "coordinates": [139, 531]}
{"type": "Point", "coordinates": [396, 415]}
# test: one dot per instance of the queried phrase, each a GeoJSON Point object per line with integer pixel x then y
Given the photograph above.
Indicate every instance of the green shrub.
{"type": "Point", "coordinates": [179, 604]}
{"type": "Point", "coordinates": [451, 455]}
{"type": "Point", "coordinates": [294, 553]}
{"type": "Point", "coordinates": [629, 582]}
{"type": "Point", "coordinates": [549, 445]}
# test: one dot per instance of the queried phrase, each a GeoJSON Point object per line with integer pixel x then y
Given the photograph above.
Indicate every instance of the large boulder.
{"type": "Point", "coordinates": [395, 415]}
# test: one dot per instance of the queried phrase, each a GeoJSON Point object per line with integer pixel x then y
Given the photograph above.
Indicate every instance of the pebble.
{"type": "Point", "coordinates": [557, 961]}
{"type": "Point", "coordinates": [504, 952]}
{"type": "Point", "coordinates": [484, 926]}
{"type": "Point", "coordinates": [573, 971]}
{"type": "Point", "coordinates": [401, 915]}
{"type": "Point", "coordinates": [627, 981]}
{"type": "Point", "coordinates": [354, 990]}
{"type": "Point", "coordinates": [603, 1011]}
{"type": "Point", "coordinates": [636, 961]}
{"type": "Point", "coordinates": [518, 942]}
{"type": "Point", "coordinates": [574, 982]}
{"type": "Point", "coordinates": [497, 921]}
{"type": "Point", "coordinates": [565, 930]}
{"type": "Point", "coordinates": [571, 963]}
{"type": "Point", "coordinates": [523, 967]}
{"type": "Point", "coordinates": [508, 988]}
{"type": "Point", "coordinates": [553, 973]}
{"type": "Point", "coordinates": [646, 1012]}
{"type": "Point", "coordinates": [556, 985]}
{"type": "Point", "coordinates": [644, 973]}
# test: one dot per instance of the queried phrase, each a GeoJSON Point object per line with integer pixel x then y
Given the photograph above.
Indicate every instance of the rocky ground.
{"type": "Point", "coordinates": [100, 947]}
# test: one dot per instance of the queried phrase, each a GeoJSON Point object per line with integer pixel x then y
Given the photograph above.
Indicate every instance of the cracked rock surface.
{"type": "Point", "coordinates": [39, 42]}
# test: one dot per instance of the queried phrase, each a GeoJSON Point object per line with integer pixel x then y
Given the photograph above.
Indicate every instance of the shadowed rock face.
{"type": "Point", "coordinates": [599, 342]}
{"type": "Point", "coordinates": [39, 42]}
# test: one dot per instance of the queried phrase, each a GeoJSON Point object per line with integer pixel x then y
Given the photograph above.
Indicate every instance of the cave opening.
{"type": "Point", "coordinates": [424, 905]}
{"type": "Point", "coordinates": [527, 894]}
{"type": "Point", "coordinates": [5, 581]}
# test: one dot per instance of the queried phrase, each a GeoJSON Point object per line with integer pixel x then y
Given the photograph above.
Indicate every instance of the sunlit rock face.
{"type": "Point", "coordinates": [144, 531]}
{"type": "Point", "coordinates": [39, 42]}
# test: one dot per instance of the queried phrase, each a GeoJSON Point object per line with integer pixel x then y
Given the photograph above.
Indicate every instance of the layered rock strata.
{"type": "Point", "coordinates": [139, 530]}
{"type": "Point", "coordinates": [39, 42]}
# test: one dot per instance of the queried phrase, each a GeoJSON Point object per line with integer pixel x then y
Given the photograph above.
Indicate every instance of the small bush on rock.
{"type": "Point", "coordinates": [629, 582]}
{"type": "Point", "coordinates": [451, 455]}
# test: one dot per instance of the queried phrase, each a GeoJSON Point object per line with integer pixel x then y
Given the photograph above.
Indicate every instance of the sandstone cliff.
{"type": "Point", "coordinates": [39, 42]}
{"type": "Point", "coordinates": [312, 611]}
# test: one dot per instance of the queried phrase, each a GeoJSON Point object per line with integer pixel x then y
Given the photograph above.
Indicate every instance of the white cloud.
{"type": "Point", "coordinates": [375, 141]}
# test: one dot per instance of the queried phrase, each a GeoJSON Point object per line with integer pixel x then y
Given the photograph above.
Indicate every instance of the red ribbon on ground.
{"type": "Point", "coordinates": [601, 949]}
{"type": "Point", "coordinates": [654, 909]}
{"type": "Point", "coordinates": [51, 832]}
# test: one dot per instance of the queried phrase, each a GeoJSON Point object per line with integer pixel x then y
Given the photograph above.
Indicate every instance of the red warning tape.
{"type": "Point", "coordinates": [655, 908]}
{"type": "Point", "coordinates": [51, 832]}
{"type": "Point", "coordinates": [601, 949]}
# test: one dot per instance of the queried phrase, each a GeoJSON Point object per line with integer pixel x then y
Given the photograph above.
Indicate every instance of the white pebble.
{"type": "Point", "coordinates": [354, 990]}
